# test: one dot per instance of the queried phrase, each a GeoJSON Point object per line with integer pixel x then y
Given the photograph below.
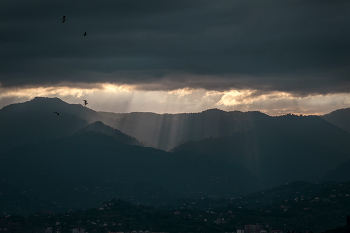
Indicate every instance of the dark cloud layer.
{"type": "Point", "coordinates": [299, 46]}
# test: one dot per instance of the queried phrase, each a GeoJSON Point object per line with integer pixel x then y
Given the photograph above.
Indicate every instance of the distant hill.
{"type": "Point", "coordinates": [98, 126]}
{"type": "Point", "coordinates": [340, 118]}
{"type": "Point", "coordinates": [280, 149]}
{"type": "Point", "coordinates": [166, 131]}
{"type": "Point", "coordinates": [81, 170]}
{"type": "Point", "coordinates": [339, 174]}
{"type": "Point", "coordinates": [35, 120]}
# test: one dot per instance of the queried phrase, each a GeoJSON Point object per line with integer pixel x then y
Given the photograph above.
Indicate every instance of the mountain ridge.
{"type": "Point", "coordinates": [98, 126]}
{"type": "Point", "coordinates": [339, 118]}
{"type": "Point", "coordinates": [88, 167]}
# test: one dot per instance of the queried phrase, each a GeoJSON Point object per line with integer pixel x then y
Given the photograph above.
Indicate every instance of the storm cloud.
{"type": "Point", "coordinates": [300, 47]}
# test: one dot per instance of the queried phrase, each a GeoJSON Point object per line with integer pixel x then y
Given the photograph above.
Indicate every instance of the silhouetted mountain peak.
{"type": "Point", "coordinates": [37, 120]}
{"type": "Point", "coordinates": [98, 126]}
{"type": "Point", "coordinates": [213, 110]}
{"type": "Point", "coordinates": [38, 103]}
{"type": "Point", "coordinates": [339, 111]}
{"type": "Point", "coordinates": [236, 113]}
{"type": "Point", "coordinates": [339, 118]}
{"type": "Point", "coordinates": [39, 98]}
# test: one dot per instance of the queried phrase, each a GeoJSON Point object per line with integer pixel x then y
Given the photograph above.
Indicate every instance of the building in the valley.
{"type": "Point", "coordinates": [78, 230]}
{"type": "Point", "coordinates": [276, 231]}
{"type": "Point", "coordinates": [252, 228]}
{"type": "Point", "coordinates": [240, 231]}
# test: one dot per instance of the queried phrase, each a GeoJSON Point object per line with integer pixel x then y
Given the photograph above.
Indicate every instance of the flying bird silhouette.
{"type": "Point", "coordinates": [57, 113]}
{"type": "Point", "coordinates": [63, 19]}
{"type": "Point", "coordinates": [85, 34]}
{"type": "Point", "coordinates": [85, 102]}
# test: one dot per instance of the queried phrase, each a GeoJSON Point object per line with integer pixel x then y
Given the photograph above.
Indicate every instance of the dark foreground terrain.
{"type": "Point", "coordinates": [298, 206]}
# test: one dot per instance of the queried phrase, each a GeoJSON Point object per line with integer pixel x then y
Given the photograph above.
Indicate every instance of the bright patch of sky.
{"type": "Point", "coordinates": [127, 98]}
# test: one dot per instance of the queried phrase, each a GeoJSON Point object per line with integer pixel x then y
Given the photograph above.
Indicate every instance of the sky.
{"type": "Point", "coordinates": [274, 56]}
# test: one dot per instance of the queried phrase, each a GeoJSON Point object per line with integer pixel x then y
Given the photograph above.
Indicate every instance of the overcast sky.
{"type": "Point", "coordinates": [178, 56]}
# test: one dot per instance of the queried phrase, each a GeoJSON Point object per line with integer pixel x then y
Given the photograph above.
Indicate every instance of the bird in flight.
{"type": "Point", "coordinates": [85, 34]}
{"type": "Point", "coordinates": [57, 113]}
{"type": "Point", "coordinates": [85, 102]}
{"type": "Point", "coordinates": [63, 19]}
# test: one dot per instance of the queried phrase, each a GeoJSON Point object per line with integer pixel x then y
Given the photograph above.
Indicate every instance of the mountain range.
{"type": "Point", "coordinates": [83, 157]}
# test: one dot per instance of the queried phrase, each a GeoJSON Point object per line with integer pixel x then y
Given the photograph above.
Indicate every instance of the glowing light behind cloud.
{"type": "Point", "coordinates": [129, 98]}
{"type": "Point", "coordinates": [234, 97]}
{"type": "Point", "coordinates": [45, 91]}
